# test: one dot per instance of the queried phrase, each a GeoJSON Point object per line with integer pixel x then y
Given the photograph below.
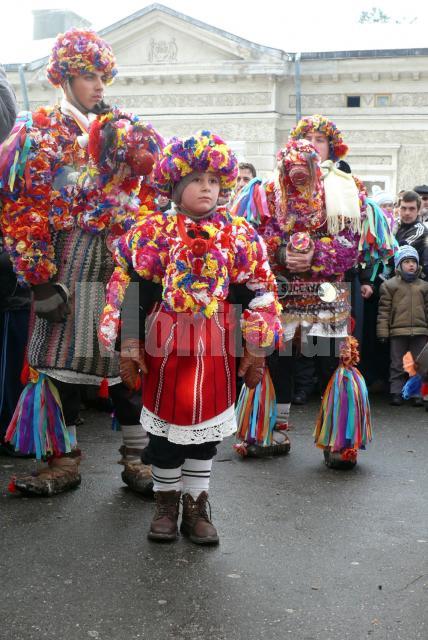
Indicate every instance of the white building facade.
{"type": "Point", "coordinates": [183, 75]}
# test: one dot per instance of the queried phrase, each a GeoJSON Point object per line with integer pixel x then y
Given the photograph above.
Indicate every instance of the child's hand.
{"type": "Point", "coordinates": [132, 361]}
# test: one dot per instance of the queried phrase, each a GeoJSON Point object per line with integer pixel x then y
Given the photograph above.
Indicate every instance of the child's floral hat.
{"type": "Point", "coordinates": [76, 52]}
{"type": "Point", "coordinates": [204, 151]}
{"type": "Point", "coordinates": [338, 149]}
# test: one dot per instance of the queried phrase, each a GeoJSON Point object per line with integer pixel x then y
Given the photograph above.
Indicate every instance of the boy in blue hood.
{"type": "Point", "coordinates": [403, 317]}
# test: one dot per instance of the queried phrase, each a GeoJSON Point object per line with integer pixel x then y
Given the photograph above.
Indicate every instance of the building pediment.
{"type": "Point", "coordinates": [159, 36]}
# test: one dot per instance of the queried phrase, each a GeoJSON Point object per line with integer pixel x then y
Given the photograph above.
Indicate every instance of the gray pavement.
{"type": "Point", "coordinates": [306, 553]}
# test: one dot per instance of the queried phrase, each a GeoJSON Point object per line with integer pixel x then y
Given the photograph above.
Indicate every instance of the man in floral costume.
{"type": "Point", "coordinates": [312, 217]}
{"type": "Point", "coordinates": [75, 188]}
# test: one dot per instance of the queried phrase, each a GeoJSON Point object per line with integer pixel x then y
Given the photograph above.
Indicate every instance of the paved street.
{"type": "Point", "coordinates": [306, 552]}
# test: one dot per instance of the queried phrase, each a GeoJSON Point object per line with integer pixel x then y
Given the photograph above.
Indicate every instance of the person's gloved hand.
{"type": "Point", "coordinates": [298, 262]}
{"type": "Point", "coordinates": [132, 361]}
{"type": "Point", "coordinates": [251, 368]}
{"type": "Point", "coordinates": [51, 301]}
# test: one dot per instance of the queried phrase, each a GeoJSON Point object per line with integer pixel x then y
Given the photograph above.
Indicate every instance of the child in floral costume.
{"type": "Point", "coordinates": [191, 263]}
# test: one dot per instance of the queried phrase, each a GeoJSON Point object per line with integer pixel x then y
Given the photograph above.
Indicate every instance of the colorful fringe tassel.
{"type": "Point", "coordinates": [412, 388]}
{"type": "Point", "coordinates": [251, 203]}
{"type": "Point", "coordinates": [14, 152]}
{"type": "Point", "coordinates": [344, 420]}
{"type": "Point", "coordinates": [37, 426]}
{"type": "Point", "coordinates": [377, 242]}
{"type": "Point", "coordinates": [256, 412]}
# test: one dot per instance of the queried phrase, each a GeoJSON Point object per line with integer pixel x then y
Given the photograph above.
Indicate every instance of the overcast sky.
{"type": "Point", "coordinates": [305, 25]}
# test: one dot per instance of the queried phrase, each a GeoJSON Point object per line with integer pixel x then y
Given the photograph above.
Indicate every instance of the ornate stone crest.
{"type": "Point", "coordinates": [162, 50]}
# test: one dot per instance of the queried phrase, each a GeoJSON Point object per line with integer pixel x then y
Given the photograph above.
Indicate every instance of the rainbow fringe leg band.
{"type": "Point", "coordinates": [38, 426]}
{"type": "Point", "coordinates": [344, 420]}
{"type": "Point", "coordinates": [256, 412]}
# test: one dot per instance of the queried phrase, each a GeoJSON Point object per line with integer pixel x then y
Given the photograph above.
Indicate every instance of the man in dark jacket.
{"type": "Point", "coordinates": [411, 230]}
{"type": "Point", "coordinates": [7, 106]}
{"type": "Point", "coordinates": [14, 316]}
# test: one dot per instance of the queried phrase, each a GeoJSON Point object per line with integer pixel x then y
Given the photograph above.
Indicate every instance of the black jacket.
{"type": "Point", "coordinates": [12, 296]}
{"type": "Point", "coordinates": [416, 235]}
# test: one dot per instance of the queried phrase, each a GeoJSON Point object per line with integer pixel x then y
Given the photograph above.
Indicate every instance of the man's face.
{"type": "Point", "coordinates": [87, 90]}
{"type": "Point", "coordinates": [408, 211]}
{"type": "Point", "coordinates": [320, 142]}
{"type": "Point", "coordinates": [244, 177]}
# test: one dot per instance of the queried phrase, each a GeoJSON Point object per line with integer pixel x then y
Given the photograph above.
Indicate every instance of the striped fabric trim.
{"type": "Point", "coordinates": [84, 267]}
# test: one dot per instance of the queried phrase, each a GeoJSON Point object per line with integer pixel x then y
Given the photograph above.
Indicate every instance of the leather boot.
{"type": "Point", "coordinates": [344, 460]}
{"type": "Point", "coordinates": [61, 474]}
{"type": "Point", "coordinates": [136, 475]}
{"type": "Point", "coordinates": [164, 524]}
{"type": "Point", "coordinates": [281, 448]}
{"type": "Point", "coordinates": [195, 523]}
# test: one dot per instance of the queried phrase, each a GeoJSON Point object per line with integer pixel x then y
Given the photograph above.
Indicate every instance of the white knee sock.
{"type": "Point", "coordinates": [166, 479]}
{"type": "Point", "coordinates": [196, 476]}
{"type": "Point", "coordinates": [134, 437]}
{"type": "Point", "coordinates": [283, 412]}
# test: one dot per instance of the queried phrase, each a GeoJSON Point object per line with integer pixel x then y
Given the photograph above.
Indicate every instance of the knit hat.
{"type": "Point", "coordinates": [178, 188]}
{"type": "Point", "coordinates": [80, 51]}
{"type": "Point", "coordinates": [381, 197]}
{"type": "Point", "coordinates": [204, 151]}
{"type": "Point", "coordinates": [337, 148]}
{"type": "Point", "coordinates": [406, 251]}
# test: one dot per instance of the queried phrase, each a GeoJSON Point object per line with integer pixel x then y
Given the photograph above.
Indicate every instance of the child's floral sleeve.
{"type": "Point", "coordinates": [141, 251]}
{"type": "Point", "coordinates": [261, 321]}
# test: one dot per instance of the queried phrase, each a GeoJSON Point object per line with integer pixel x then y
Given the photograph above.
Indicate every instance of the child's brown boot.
{"type": "Point", "coordinates": [164, 524]}
{"type": "Point", "coordinates": [195, 523]}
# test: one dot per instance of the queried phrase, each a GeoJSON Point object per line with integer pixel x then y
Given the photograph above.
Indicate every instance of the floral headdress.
{"type": "Point", "coordinates": [78, 51]}
{"type": "Point", "coordinates": [117, 138]}
{"type": "Point", "coordinates": [204, 151]}
{"type": "Point", "coordinates": [337, 148]}
{"type": "Point", "coordinates": [296, 203]}
{"type": "Point", "coordinates": [297, 151]}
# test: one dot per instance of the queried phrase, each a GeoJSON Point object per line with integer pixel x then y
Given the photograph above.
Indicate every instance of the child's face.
{"type": "Point", "coordinates": [201, 194]}
{"type": "Point", "coordinates": [409, 265]}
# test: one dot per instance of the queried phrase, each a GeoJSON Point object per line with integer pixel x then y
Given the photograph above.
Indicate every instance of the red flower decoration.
{"type": "Point", "coordinates": [349, 455]}
{"type": "Point", "coordinates": [199, 247]}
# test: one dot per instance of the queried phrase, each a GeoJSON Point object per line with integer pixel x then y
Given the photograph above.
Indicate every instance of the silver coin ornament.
{"type": "Point", "coordinates": [327, 292]}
